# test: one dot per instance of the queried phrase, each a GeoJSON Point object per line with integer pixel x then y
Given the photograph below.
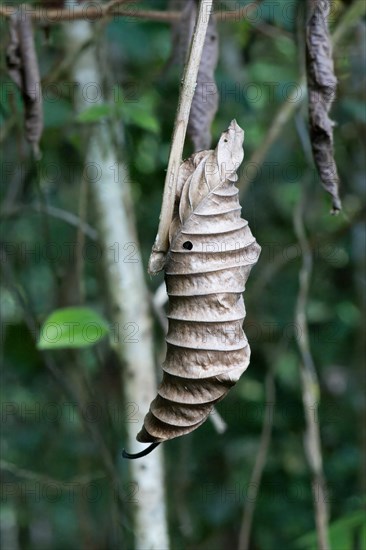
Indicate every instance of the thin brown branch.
{"type": "Point", "coordinates": [283, 115]}
{"type": "Point", "coordinates": [54, 212]}
{"type": "Point", "coordinates": [161, 244]}
{"type": "Point", "coordinates": [149, 15]}
{"type": "Point", "coordinates": [78, 481]}
{"type": "Point", "coordinates": [71, 13]}
{"type": "Point", "coordinates": [310, 386]}
{"type": "Point", "coordinates": [64, 64]}
{"type": "Point", "coordinates": [95, 12]}
{"type": "Point", "coordinates": [281, 259]}
{"type": "Point", "coordinates": [272, 31]}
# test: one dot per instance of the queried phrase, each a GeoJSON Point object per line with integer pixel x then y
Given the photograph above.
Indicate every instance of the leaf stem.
{"type": "Point", "coordinates": [145, 452]}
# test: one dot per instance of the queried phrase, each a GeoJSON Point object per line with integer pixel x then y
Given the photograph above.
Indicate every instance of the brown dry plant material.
{"type": "Point", "coordinates": [322, 86]}
{"type": "Point", "coordinates": [22, 63]}
{"type": "Point", "coordinates": [205, 99]}
{"type": "Point", "coordinates": [212, 251]}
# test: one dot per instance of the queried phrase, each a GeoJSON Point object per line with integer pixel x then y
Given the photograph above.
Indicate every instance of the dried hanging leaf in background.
{"type": "Point", "coordinates": [322, 86]}
{"type": "Point", "coordinates": [205, 100]}
{"type": "Point", "coordinates": [212, 251]}
{"type": "Point", "coordinates": [22, 63]}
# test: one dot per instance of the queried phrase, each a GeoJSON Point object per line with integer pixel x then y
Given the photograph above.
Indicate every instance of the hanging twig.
{"type": "Point", "coordinates": [161, 244]}
{"type": "Point", "coordinates": [310, 386]}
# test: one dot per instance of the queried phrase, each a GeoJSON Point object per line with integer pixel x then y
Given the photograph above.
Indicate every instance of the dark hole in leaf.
{"type": "Point", "coordinates": [188, 245]}
{"type": "Point", "coordinates": [225, 140]}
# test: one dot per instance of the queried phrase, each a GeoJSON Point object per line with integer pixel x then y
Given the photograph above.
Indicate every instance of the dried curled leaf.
{"type": "Point", "coordinates": [322, 85]}
{"type": "Point", "coordinates": [212, 251]}
{"type": "Point", "coordinates": [205, 99]}
{"type": "Point", "coordinates": [22, 63]}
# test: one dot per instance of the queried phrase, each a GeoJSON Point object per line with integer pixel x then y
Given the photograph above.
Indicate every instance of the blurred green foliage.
{"type": "Point", "coordinates": [59, 495]}
{"type": "Point", "coordinates": [72, 327]}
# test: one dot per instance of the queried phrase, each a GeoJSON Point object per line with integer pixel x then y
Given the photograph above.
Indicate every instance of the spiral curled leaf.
{"type": "Point", "coordinates": [212, 251]}
{"type": "Point", "coordinates": [322, 86]}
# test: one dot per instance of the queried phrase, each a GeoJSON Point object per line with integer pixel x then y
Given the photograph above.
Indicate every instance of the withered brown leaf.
{"type": "Point", "coordinates": [321, 86]}
{"type": "Point", "coordinates": [22, 64]}
{"type": "Point", "coordinates": [212, 251]}
{"type": "Point", "coordinates": [205, 99]}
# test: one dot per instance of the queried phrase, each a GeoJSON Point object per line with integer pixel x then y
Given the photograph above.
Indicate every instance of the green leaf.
{"type": "Point", "coordinates": [95, 113]}
{"type": "Point", "coordinates": [72, 327]}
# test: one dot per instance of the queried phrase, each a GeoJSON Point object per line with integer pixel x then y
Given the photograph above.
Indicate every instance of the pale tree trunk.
{"type": "Point", "coordinates": [124, 276]}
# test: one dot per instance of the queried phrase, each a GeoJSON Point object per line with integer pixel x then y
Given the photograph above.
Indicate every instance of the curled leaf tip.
{"type": "Point", "coordinates": [145, 452]}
